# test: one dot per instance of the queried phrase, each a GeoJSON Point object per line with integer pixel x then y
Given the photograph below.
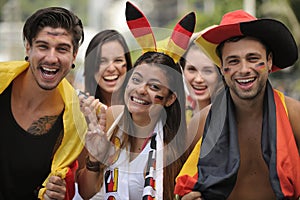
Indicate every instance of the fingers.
{"type": "Point", "coordinates": [194, 195]}
{"type": "Point", "coordinates": [55, 188]}
{"type": "Point", "coordinates": [94, 125]}
{"type": "Point", "coordinates": [102, 118]}
{"type": "Point", "coordinates": [88, 101]}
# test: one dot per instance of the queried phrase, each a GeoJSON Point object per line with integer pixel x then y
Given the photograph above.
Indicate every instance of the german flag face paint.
{"type": "Point", "coordinates": [226, 70]}
{"type": "Point", "coordinates": [261, 67]}
{"type": "Point", "coordinates": [160, 98]}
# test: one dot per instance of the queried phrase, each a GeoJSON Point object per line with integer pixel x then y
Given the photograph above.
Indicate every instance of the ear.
{"type": "Point", "coordinates": [74, 56]}
{"type": "Point", "coordinates": [270, 62]}
{"type": "Point", "coordinates": [27, 47]}
{"type": "Point", "coordinates": [171, 99]}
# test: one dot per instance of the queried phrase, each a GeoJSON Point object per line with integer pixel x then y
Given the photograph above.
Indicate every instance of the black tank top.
{"type": "Point", "coordinates": [25, 159]}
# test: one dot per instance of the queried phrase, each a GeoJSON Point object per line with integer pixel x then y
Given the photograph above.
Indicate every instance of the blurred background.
{"type": "Point", "coordinates": [110, 14]}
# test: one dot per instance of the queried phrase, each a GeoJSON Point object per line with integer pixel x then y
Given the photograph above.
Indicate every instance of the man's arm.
{"type": "Point", "coordinates": [293, 107]}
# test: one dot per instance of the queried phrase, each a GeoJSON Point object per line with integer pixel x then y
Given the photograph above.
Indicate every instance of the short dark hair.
{"type": "Point", "coordinates": [54, 17]}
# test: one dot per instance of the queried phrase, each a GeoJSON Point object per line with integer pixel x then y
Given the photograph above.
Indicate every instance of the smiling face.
{"type": "Point", "coordinates": [112, 67]}
{"type": "Point", "coordinates": [147, 92]}
{"type": "Point", "coordinates": [201, 74]}
{"type": "Point", "coordinates": [245, 67]}
{"type": "Point", "coordinates": [51, 56]}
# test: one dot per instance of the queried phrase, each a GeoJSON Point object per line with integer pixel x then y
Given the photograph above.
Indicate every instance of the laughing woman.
{"type": "Point", "coordinates": [137, 150]}
{"type": "Point", "coordinates": [107, 60]}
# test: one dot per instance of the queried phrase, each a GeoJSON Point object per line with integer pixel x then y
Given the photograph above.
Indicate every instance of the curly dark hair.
{"type": "Point", "coordinates": [54, 17]}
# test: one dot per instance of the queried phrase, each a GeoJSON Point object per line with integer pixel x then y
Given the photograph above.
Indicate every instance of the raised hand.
{"type": "Point", "coordinates": [96, 141]}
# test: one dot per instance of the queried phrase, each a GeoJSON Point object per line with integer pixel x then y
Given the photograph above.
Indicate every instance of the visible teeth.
{"type": "Point", "coordinates": [139, 101]}
{"type": "Point", "coordinates": [199, 87]}
{"type": "Point", "coordinates": [49, 70]}
{"type": "Point", "coordinates": [110, 78]}
{"type": "Point", "coordinates": [246, 80]}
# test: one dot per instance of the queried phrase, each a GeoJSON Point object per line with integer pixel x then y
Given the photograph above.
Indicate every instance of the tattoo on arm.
{"type": "Point", "coordinates": [42, 125]}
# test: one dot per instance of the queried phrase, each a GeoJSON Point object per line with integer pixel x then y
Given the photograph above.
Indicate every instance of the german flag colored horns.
{"type": "Point", "coordinates": [141, 30]}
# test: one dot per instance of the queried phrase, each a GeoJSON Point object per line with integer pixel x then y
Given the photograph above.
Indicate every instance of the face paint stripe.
{"type": "Point", "coordinates": [226, 70]}
{"type": "Point", "coordinates": [261, 67]}
{"type": "Point", "coordinates": [159, 97]}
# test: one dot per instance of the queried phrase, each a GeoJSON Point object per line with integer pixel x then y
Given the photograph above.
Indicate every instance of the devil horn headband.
{"type": "Point", "coordinates": [142, 32]}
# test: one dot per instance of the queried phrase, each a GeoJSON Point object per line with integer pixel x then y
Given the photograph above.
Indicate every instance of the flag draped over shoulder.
{"type": "Point", "coordinates": [64, 163]}
{"type": "Point", "coordinates": [214, 163]}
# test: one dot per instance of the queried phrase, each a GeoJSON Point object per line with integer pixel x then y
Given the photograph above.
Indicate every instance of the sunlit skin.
{"type": "Point", "coordinates": [242, 70]}
{"type": "Point", "coordinates": [245, 68]}
{"type": "Point", "coordinates": [146, 93]}
{"type": "Point", "coordinates": [202, 76]}
{"type": "Point", "coordinates": [51, 56]}
{"type": "Point", "coordinates": [35, 91]}
{"type": "Point", "coordinates": [112, 68]}
{"type": "Point", "coordinates": [248, 66]}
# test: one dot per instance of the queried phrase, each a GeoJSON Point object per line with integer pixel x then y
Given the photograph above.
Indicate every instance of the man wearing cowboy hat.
{"type": "Point", "coordinates": [250, 136]}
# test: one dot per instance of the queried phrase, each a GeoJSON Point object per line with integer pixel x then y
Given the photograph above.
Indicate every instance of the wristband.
{"type": "Point", "coordinates": [92, 166]}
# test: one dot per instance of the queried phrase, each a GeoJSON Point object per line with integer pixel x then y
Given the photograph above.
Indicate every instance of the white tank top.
{"type": "Point", "coordinates": [125, 180]}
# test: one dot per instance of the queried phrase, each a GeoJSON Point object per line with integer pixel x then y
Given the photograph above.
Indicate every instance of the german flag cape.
{"type": "Point", "coordinates": [214, 163]}
{"type": "Point", "coordinates": [64, 162]}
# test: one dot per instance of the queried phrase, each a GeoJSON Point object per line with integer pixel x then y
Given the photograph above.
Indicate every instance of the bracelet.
{"type": "Point", "coordinates": [92, 166]}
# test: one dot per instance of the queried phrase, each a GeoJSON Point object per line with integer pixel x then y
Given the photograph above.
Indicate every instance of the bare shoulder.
{"type": "Point", "coordinates": [196, 125]}
{"type": "Point", "coordinates": [293, 107]}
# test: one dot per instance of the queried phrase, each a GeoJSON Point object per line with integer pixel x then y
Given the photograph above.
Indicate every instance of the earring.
{"type": "Point", "coordinates": [26, 58]}
{"type": "Point", "coordinates": [73, 66]}
{"type": "Point", "coordinates": [168, 104]}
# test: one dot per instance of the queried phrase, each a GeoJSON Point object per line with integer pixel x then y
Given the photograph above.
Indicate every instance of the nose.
{"type": "Point", "coordinates": [142, 89]}
{"type": "Point", "coordinates": [244, 67]}
{"type": "Point", "coordinates": [51, 56]}
{"type": "Point", "coordinates": [111, 67]}
{"type": "Point", "coordinates": [199, 77]}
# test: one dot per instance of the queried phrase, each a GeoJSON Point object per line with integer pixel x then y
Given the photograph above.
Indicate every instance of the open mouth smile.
{"type": "Point", "coordinates": [139, 101]}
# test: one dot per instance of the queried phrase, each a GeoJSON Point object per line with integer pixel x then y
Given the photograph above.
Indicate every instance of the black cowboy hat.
{"type": "Point", "coordinates": [238, 23]}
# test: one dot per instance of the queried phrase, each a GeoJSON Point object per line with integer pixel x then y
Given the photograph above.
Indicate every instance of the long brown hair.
{"type": "Point", "coordinates": [92, 61]}
{"type": "Point", "coordinates": [175, 129]}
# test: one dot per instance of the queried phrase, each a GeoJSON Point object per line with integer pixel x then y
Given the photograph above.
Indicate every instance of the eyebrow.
{"type": "Point", "coordinates": [44, 42]}
{"type": "Point", "coordinates": [116, 57]}
{"type": "Point", "coordinates": [151, 80]}
{"type": "Point", "coordinates": [231, 57]}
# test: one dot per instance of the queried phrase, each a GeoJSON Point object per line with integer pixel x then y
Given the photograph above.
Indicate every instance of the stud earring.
{"type": "Point", "coordinates": [73, 66]}
{"type": "Point", "coordinates": [26, 58]}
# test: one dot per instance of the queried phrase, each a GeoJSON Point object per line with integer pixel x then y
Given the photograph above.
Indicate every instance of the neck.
{"type": "Point", "coordinates": [143, 131]}
{"type": "Point", "coordinates": [30, 95]}
{"type": "Point", "coordinates": [108, 97]}
{"type": "Point", "coordinates": [245, 108]}
{"type": "Point", "coordinates": [203, 104]}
